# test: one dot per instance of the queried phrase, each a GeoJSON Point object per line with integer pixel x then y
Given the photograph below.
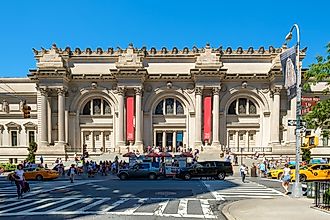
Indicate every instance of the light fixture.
{"type": "Point", "coordinates": [244, 84]}
{"type": "Point", "coordinates": [288, 36]}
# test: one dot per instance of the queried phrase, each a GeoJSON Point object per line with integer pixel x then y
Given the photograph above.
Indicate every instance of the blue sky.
{"type": "Point", "coordinates": [95, 23]}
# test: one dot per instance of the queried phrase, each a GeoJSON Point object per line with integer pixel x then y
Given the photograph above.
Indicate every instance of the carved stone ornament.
{"type": "Point", "coordinates": [5, 106]}
{"type": "Point", "coordinates": [277, 90]}
{"type": "Point", "coordinates": [138, 90]}
{"type": "Point", "coordinates": [198, 90]}
{"type": "Point", "coordinates": [208, 57]}
{"type": "Point", "coordinates": [51, 58]}
{"type": "Point", "coordinates": [120, 90]}
{"type": "Point", "coordinates": [216, 90]}
{"type": "Point", "coordinates": [43, 91]}
{"type": "Point", "coordinates": [61, 91]}
{"type": "Point", "coordinates": [129, 59]}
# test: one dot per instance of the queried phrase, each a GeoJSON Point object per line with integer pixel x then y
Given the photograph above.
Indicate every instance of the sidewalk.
{"type": "Point", "coordinates": [273, 209]}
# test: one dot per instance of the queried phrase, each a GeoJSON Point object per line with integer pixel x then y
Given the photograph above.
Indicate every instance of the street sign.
{"type": "Point", "coordinates": [294, 123]}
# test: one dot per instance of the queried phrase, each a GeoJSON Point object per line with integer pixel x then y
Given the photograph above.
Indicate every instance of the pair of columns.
{"type": "Point", "coordinates": [215, 116]}
{"type": "Point", "coordinates": [46, 121]}
{"type": "Point", "coordinates": [138, 115]}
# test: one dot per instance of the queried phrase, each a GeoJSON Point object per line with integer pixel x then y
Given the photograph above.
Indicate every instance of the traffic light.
{"type": "Point", "coordinates": [26, 111]}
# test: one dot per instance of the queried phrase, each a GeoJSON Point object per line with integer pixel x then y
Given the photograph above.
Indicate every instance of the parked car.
{"type": "Point", "coordinates": [140, 170]}
{"type": "Point", "coordinates": [314, 172]}
{"type": "Point", "coordinates": [216, 169]}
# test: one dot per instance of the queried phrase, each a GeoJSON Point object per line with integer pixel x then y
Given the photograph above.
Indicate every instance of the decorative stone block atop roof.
{"type": "Point", "coordinates": [51, 58]}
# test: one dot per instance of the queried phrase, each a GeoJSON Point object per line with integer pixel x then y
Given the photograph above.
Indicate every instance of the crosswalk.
{"type": "Point", "coordinates": [162, 207]}
{"type": "Point", "coordinates": [235, 189]}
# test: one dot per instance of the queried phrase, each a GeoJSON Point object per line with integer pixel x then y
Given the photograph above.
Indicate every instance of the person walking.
{"type": "Point", "coordinates": [19, 180]}
{"type": "Point", "coordinates": [243, 171]}
{"type": "Point", "coordinates": [286, 178]}
{"type": "Point", "coordinates": [72, 172]}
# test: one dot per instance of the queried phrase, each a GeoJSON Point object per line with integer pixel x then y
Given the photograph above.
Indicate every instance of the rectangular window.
{"type": "Point", "coordinates": [31, 137]}
{"type": "Point", "coordinates": [97, 137]}
{"type": "Point", "coordinates": [107, 137]}
{"type": "Point", "coordinates": [231, 137]}
{"type": "Point", "coordinates": [241, 137]}
{"type": "Point", "coordinates": [251, 137]}
{"type": "Point", "coordinates": [87, 137]}
{"type": "Point", "coordinates": [13, 138]}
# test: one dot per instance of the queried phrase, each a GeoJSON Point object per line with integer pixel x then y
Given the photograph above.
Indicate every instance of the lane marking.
{"type": "Point", "coordinates": [214, 193]}
{"type": "Point", "coordinates": [114, 205]}
{"type": "Point", "coordinates": [161, 208]}
{"type": "Point", "coordinates": [183, 207]}
{"type": "Point", "coordinates": [136, 206]}
{"type": "Point", "coordinates": [206, 208]}
{"type": "Point", "coordinates": [23, 206]}
{"type": "Point", "coordinates": [54, 210]}
{"type": "Point", "coordinates": [93, 204]}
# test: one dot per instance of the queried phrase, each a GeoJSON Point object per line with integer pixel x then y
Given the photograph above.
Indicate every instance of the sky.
{"type": "Point", "coordinates": [155, 23]}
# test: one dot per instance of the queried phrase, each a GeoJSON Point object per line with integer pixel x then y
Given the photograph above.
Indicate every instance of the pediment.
{"type": "Point", "coordinates": [30, 125]}
{"type": "Point", "coordinates": [13, 125]}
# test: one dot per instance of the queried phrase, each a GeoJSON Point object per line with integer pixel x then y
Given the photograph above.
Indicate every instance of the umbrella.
{"type": "Point", "coordinates": [186, 154]}
{"type": "Point", "coordinates": [129, 154]}
{"type": "Point", "coordinates": [153, 154]}
{"type": "Point", "coordinates": [165, 154]}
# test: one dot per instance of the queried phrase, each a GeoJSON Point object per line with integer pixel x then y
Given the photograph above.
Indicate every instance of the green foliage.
{"type": "Point", "coordinates": [306, 154]}
{"type": "Point", "coordinates": [320, 114]}
{"type": "Point", "coordinates": [32, 149]}
{"type": "Point", "coordinates": [8, 167]}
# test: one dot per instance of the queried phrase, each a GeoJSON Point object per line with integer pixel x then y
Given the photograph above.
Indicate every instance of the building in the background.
{"type": "Point", "coordinates": [126, 99]}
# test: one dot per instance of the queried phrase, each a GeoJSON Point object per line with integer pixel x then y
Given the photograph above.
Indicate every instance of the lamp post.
{"type": "Point", "coordinates": [297, 186]}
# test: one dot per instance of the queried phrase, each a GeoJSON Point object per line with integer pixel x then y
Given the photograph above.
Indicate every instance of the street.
{"type": "Point", "coordinates": [109, 197]}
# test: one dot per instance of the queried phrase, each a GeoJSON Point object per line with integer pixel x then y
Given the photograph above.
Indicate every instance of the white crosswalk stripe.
{"type": "Point", "coordinates": [234, 189]}
{"type": "Point", "coordinates": [101, 206]}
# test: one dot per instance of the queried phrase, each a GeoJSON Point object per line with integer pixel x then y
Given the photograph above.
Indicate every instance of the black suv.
{"type": "Point", "coordinates": [217, 169]}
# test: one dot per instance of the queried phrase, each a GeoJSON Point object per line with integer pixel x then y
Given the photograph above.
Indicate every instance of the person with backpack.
{"type": "Point", "coordinates": [72, 172]}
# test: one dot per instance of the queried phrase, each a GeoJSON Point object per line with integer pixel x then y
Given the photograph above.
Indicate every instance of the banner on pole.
{"type": "Point", "coordinates": [289, 69]}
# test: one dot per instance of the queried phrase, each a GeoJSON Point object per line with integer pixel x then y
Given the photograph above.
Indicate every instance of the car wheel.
{"type": "Point", "coordinates": [187, 176]}
{"type": "Point", "coordinates": [152, 176]}
{"type": "Point", "coordinates": [302, 178]}
{"type": "Point", "coordinates": [39, 178]}
{"type": "Point", "coordinates": [123, 176]}
{"type": "Point", "coordinates": [279, 176]}
{"type": "Point", "coordinates": [221, 176]}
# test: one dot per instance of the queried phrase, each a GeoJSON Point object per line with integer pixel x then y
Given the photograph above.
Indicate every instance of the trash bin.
{"type": "Point", "coordinates": [253, 172]}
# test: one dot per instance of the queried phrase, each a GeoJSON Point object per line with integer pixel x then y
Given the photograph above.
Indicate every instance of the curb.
{"type": "Point", "coordinates": [225, 211]}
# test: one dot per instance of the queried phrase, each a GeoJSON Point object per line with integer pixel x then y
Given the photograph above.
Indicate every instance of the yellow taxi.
{"type": "Point", "coordinates": [314, 172]}
{"type": "Point", "coordinates": [39, 174]}
{"type": "Point", "coordinates": [277, 173]}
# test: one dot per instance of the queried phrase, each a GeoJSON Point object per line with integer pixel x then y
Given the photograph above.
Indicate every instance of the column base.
{"type": "Point", "coordinates": [215, 144]}
{"type": "Point", "coordinates": [138, 146]}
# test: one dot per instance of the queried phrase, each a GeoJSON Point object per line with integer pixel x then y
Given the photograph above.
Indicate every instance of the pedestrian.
{"type": "Point", "coordinates": [71, 173]}
{"type": "Point", "coordinates": [262, 168]}
{"type": "Point", "coordinates": [18, 176]}
{"type": "Point", "coordinates": [243, 171]}
{"type": "Point", "coordinates": [41, 160]}
{"type": "Point", "coordinates": [286, 177]}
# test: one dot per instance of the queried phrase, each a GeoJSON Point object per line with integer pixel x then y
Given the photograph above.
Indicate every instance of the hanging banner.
{"type": "Point", "coordinates": [207, 118]}
{"type": "Point", "coordinates": [130, 118]}
{"type": "Point", "coordinates": [289, 69]}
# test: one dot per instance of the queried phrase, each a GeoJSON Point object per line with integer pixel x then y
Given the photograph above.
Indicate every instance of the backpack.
{"type": "Point", "coordinates": [26, 187]}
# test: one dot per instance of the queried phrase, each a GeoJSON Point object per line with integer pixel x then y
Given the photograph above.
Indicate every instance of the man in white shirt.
{"type": "Point", "coordinates": [19, 180]}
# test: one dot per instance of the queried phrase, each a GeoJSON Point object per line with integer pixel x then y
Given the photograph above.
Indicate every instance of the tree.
{"type": "Point", "coordinates": [32, 149]}
{"type": "Point", "coordinates": [319, 117]}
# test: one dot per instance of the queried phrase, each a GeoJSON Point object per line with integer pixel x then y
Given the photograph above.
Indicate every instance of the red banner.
{"type": "Point", "coordinates": [130, 118]}
{"type": "Point", "coordinates": [307, 103]}
{"type": "Point", "coordinates": [207, 117]}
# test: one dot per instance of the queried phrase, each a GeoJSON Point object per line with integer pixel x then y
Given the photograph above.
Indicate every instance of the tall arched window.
{"type": "Point", "coordinates": [97, 106]}
{"type": "Point", "coordinates": [242, 106]}
{"type": "Point", "coordinates": [169, 106]}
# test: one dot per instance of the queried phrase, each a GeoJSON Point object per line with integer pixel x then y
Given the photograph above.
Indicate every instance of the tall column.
{"type": "Point", "coordinates": [60, 115]}
{"type": "Point", "coordinates": [138, 117]}
{"type": "Point", "coordinates": [49, 119]}
{"type": "Point", "coordinates": [198, 117]}
{"type": "Point", "coordinates": [174, 142]}
{"type": "Point", "coordinates": [43, 118]}
{"type": "Point", "coordinates": [67, 126]}
{"type": "Point", "coordinates": [275, 114]}
{"type": "Point", "coordinates": [247, 141]}
{"type": "Point", "coordinates": [121, 100]}
{"type": "Point", "coordinates": [237, 140]}
{"type": "Point", "coordinates": [215, 138]}
{"type": "Point", "coordinates": [155, 138]}
{"type": "Point", "coordinates": [92, 142]}
{"type": "Point", "coordinates": [164, 139]}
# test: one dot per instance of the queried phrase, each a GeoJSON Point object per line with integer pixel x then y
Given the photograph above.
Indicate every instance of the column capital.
{"type": "Point", "coordinates": [138, 90]}
{"type": "Point", "coordinates": [121, 90]}
{"type": "Point", "coordinates": [198, 90]}
{"type": "Point", "coordinates": [216, 90]}
{"type": "Point", "coordinates": [61, 91]}
{"type": "Point", "coordinates": [43, 91]}
{"type": "Point", "coordinates": [277, 90]}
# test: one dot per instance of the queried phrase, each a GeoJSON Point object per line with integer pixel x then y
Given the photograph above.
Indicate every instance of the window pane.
{"type": "Point", "coordinates": [241, 137]}
{"type": "Point", "coordinates": [14, 138]}
{"type": "Point", "coordinates": [232, 108]}
{"type": "Point", "coordinates": [252, 108]}
{"type": "Point", "coordinates": [242, 106]}
{"type": "Point", "coordinates": [169, 106]}
{"type": "Point", "coordinates": [179, 108]}
{"type": "Point", "coordinates": [97, 106]}
{"type": "Point", "coordinates": [31, 137]}
{"type": "Point", "coordinates": [159, 108]}
{"type": "Point", "coordinates": [106, 108]}
{"type": "Point", "coordinates": [87, 109]}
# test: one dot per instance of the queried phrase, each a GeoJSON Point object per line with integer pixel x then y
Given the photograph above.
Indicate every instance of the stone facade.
{"type": "Point", "coordinates": [80, 97]}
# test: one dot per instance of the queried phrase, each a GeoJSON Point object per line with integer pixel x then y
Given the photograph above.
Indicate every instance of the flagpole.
{"type": "Point", "coordinates": [297, 191]}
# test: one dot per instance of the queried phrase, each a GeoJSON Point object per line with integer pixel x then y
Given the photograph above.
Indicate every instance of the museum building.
{"type": "Point", "coordinates": [127, 99]}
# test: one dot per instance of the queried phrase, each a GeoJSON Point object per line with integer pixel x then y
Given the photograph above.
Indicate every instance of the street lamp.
{"type": "Point", "coordinates": [297, 186]}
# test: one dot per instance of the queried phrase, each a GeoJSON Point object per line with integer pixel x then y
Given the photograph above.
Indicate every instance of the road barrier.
{"type": "Point", "coordinates": [322, 195]}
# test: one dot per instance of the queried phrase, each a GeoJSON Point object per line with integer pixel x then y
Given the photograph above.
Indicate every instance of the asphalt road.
{"type": "Point", "coordinates": [111, 198]}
